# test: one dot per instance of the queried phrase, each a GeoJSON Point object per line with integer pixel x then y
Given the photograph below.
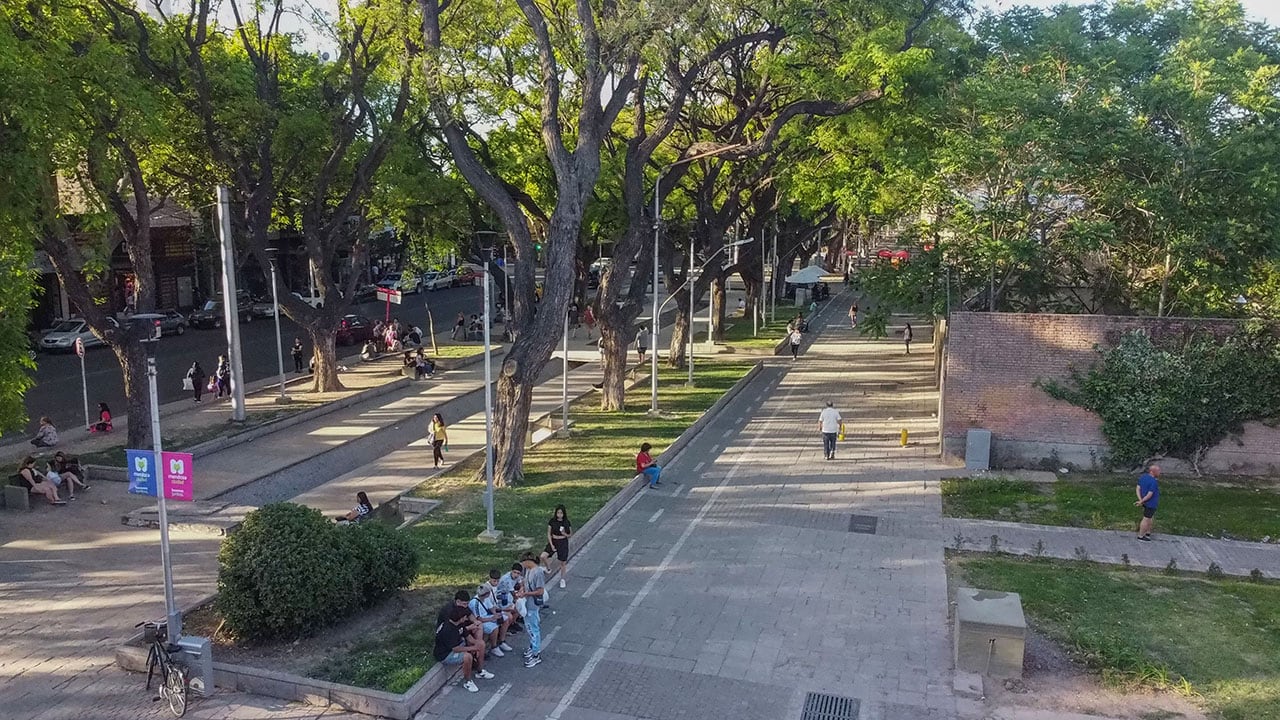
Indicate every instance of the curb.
{"type": "Point", "coordinates": [405, 706]}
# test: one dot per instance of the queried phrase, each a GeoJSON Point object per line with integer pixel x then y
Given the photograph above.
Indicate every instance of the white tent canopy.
{"type": "Point", "coordinates": [807, 276]}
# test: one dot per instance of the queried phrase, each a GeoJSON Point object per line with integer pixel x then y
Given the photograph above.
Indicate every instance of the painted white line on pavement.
{"type": "Point", "coordinates": [625, 549]}
{"type": "Point", "coordinates": [726, 433]}
{"type": "Point", "coordinates": [715, 449]}
{"type": "Point", "coordinates": [656, 515]}
{"type": "Point", "coordinates": [546, 640]}
{"type": "Point", "coordinates": [592, 587]}
{"type": "Point", "coordinates": [493, 702]}
{"type": "Point", "coordinates": [638, 599]}
{"type": "Point", "coordinates": [698, 468]}
{"type": "Point", "coordinates": [36, 560]}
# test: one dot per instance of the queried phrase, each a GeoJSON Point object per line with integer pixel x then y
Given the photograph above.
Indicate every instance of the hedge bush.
{"type": "Point", "coordinates": [387, 560]}
{"type": "Point", "coordinates": [289, 570]}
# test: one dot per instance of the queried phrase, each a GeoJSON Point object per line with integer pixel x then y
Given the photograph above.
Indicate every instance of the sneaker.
{"type": "Point", "coordinates": [1144, 538]}
{"type": "Point", "coordinates": [470, 685]}
{"type": "Point", "coordinates": [562, 582]}
{"type": "Point", "coordinates": [528, 653]}
{"type": "Point", "coordinates": [59, 502]}
{"type": "Point", "coordinates": [484, 675]}
{"type": "Point", "coordinates": [533, 660]}
{"type": "Point", "coordinates": [497, 652]}
{"type": "Point", "coordinates": [505, 647]}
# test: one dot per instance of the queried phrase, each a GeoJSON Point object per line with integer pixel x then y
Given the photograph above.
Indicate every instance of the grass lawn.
{"type": "Point", "coordinates": [738, 333]}
{"type": "Point", "coordinates": [1188, 506]}
{"type": "Point", "coordinates": [583, 472]}
{"type": "Point", "coordinates": [1217, 638]}
{"type": "Point", "coordinates": [460, 351]}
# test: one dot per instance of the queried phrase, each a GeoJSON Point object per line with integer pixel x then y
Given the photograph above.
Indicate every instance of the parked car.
{"type": "Point", "coordinates": [465, 275]}
{"type": "Point", "coordinates": [314, 301]}
{"type": "Point", "coordinates": [365, 293]}
{"type": "Point", "coordinates": [62, 337]}
{"type": "Point", "coordinates": [210, 316]}
{"type": "Point", "coordinates": [435, 280]}
{"type": "Point", "coordinates": [262, 308]}
{"type": "Point", "coordinates": [404, 282]}
{"type": "Point", "coordinates": [354, 330]}
{"type": "Point", "coordinates": [172, 322]}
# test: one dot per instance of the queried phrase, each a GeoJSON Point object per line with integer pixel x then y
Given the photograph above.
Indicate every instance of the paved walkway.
{"type": "Point", "coordinates": [738, 589]}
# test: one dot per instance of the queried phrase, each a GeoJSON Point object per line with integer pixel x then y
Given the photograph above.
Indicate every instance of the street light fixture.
{"type": "Point", "coordinates": [272, 253]}
{"type": "Point", "coordinates": [657, 230]}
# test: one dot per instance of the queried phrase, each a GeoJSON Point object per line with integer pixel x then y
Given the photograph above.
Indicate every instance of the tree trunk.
{"type": "Point", "coordinates": [325, 376]}
{"type": "Point", "coordinates": [133, 365]}
{"type": "Point", "coordinates": [614, 341]}
{"type": "Point", "coordinates": [718, 298]}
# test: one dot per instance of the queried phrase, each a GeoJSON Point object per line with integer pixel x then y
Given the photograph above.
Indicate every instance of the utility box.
{"type": "Point", "coordinates": [197, 655]}
{"type": "Point", "coordinates": [990, 633]}
{"type": "Point", "coordinates": [977, 450]}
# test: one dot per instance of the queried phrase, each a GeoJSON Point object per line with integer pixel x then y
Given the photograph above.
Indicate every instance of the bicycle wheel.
{"type": "Point", "coordinates": [175, 686]}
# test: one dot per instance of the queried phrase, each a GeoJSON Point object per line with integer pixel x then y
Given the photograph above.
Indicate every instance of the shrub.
{"type": "Point", "coordinates": [386, 560]}
{"type": "Point", "coordinates": [284, 573]}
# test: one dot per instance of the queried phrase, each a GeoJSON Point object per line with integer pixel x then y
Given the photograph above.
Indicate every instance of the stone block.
{"type": "Point", "coordinates": [977, 450]}
{"type": "Point", "coordinates": [17, 498]}
{"type": "Point", "coordinates": [990, 633]}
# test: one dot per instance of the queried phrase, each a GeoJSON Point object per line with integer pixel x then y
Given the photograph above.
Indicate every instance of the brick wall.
{"type": "Point", "coordinates": [994, 359]}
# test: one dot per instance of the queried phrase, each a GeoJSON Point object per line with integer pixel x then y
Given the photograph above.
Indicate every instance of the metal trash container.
{"type": "Point", "coordinates": [197, 655]}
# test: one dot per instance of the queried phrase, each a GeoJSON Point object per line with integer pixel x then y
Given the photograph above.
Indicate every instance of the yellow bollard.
{"type": "Point", "coordinates": [904, 437]}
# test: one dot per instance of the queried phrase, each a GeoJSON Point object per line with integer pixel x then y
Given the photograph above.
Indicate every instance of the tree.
{"type": "Point", "coordinates": [565, 56]}
{"type": "Point", "coordinates": [294, 135]}
{"type": "Point", "coordinates": [90, 141]}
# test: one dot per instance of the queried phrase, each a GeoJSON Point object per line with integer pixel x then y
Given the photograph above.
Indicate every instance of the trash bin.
{"type": "Point", "coordinates": [197, 655]}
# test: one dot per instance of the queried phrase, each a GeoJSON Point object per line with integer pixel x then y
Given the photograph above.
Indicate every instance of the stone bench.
{"type": "Point", "coordinates": [17, 498]}
{"type": "Point", "coordinates": [990, 633]}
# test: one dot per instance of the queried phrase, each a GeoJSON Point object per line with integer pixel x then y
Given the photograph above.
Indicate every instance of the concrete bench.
{"type": "Point", "coordinates": [990, 633]}
{"type": "Point", "coordinates": [17, 498]}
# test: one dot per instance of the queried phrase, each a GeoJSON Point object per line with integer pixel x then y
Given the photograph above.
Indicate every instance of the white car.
{"type": "Point", "coordinates": [314, 301]}
{"type": "Point", "coordinates": [63, 335]}
{"type": "Point", "coordinates": [436, 280]}
{"type": "Point", "coordinates": [403, 282]}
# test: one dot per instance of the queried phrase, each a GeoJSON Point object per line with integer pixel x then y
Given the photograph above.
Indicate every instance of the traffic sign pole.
{"type": "Point", "coordinates": [171, 607]}
{"type": "Point", "coordinates": [84, 383]}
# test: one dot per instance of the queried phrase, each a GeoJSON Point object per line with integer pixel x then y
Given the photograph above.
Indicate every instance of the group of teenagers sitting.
{"type": "Point", "coordinates": [470, 629]}
{"type": "Point", "coordinates": [61, 474]}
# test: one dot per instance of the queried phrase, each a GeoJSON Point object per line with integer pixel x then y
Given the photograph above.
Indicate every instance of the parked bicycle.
{"type": "Point", "coordinates": [172, 673]}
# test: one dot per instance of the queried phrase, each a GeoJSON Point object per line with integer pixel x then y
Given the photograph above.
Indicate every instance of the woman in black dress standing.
{"type": "Point", "coordinates": [558, 531]}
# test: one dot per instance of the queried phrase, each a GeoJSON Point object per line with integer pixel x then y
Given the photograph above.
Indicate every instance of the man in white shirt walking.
{"type": "Point", "coordinates": [830, 422]}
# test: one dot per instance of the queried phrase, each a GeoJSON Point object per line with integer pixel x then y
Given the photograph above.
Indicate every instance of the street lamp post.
{"type": "Point", "coordinates": [172, 613]}
{"type": "Point", "coordinates": [490, 534]}
{"type": "Point", "coordinates": [275, 312]}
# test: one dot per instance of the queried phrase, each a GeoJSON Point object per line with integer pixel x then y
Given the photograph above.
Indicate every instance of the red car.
{"type": "Point", "coordinates": [465, 276]}
{"type": "Point", "coordinates": [354, 330]}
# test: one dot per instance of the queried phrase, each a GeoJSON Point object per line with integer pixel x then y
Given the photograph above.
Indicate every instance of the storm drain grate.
{"type": "Point", "coordinates": [865, 524]}
{"type": "Point", "coordinates": [820, 706]}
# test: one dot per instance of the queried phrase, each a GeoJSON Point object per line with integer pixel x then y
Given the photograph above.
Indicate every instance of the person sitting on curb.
{"type": "Point", "coordinates": [493, 622]}
{"type": "Point", "coordinates": [69, 469]}
{"type": "Point", "coordinates": [462, 599]}
{"type": "Point", "coordinates": [453, 648]}
{"type": "Point", "coordinates": [423, 367]}
{"type": "Point", "coordinates": [505, 600]}
{"type": "Point", "coordinates": [37, 483]}
{"type": "Point", "coordinates": [46, 435]}
{"type": "Point", "coordinates": [361, 511]}
{"type": "Point", "coordinates": [104, 419]}
{"type": "Point", "coordinates": [508, 586]}
{"type": "Point", "coordinates": [369, 351]}
{"type": "Point", "coordinates": [646, 466]}
{"type": "Point", "coordinates": [69, 481]}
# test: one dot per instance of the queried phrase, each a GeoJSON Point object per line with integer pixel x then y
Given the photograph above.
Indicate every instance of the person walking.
{"type": "Point", "coordinates": [222, 374]}
{"type": "Point", "coordinates": [196, 380]}
{"type": "Point", "coordinates": [642, 342]}
{"type": "Point", "coordinates": [742, 307]}
{"type": "Point", "coordinates": [558, 531]}
{"type": "Point", "coordinates": [589, 319]}
{"type": "Point", "coordinates": [1148, 491]}
{"type": "Point", "coordinates": [438, 436]}
{"type": "Point", "coordinates": [831, 425]}
{"type": "Point", "coordinates": [460, 327]}
{"type": "Point", "coordinates": [297, 354]}
{"type": "Point", "coordinates": [535, 580]}
{"type": "Point", "coordinates": [796, 337]}
{"type": "Point", "coordinates": [853, 315]}
{"type": "Point", "coordinates": [906, 337]}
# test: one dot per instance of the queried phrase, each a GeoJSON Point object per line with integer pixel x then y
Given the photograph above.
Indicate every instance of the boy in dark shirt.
{"type": "Point", "coordinates": [452, 649]}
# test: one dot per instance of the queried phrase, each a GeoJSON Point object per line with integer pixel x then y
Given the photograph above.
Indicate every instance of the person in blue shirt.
{"type": "Point", "coordinates": [1148, 490]}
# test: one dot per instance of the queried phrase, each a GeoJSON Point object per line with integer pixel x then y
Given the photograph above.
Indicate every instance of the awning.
{"type": "Point", "coordinates": [807, 276]}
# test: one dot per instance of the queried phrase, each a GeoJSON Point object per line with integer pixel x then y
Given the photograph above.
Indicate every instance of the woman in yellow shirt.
{"type": "Point", "coordinates": [438, 437]}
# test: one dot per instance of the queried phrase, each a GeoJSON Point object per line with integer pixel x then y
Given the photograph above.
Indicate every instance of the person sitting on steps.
{"type": "Point", "coordinates": [38, 484]}
{"type": "Point", "coordinates": [360, 512]}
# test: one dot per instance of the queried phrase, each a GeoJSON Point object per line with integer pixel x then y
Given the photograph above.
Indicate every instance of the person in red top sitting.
{"type": "Point", "coordinates": [646, 465]}
{"type": "Point", "coordinates": [104, 419]}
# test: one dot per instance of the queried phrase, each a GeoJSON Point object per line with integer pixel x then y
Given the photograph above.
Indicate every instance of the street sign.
{"type": "Point", "coordinates": [177, 468]}
{"type": "Point", "coordinates": [390, 296]}
{"type": "Point", "coordinates": [142, 471]}
{"type": "Point", "coordinates": [79, 347]}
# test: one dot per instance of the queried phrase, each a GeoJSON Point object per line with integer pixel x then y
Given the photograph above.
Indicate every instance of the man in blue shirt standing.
{"type": "Point", "coordinates": [1148, 490]}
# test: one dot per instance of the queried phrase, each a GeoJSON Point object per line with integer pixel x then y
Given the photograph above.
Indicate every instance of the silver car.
{"type": "Point", "coordinates": [62, 338]}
